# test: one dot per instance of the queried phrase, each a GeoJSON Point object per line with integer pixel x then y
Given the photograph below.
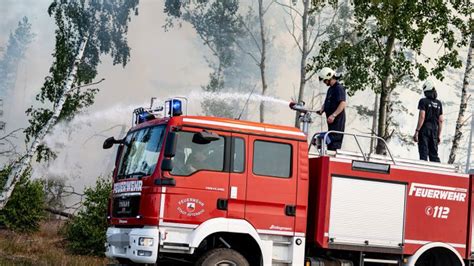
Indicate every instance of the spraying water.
{"type": "Point", "coordinates": [82, 136]}
{"type": "Point", "coordinates": [120, 114]}
{"type": "Point", "coordinates": [222, 96]}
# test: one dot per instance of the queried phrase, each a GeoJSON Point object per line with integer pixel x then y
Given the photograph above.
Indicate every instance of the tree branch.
{"type": "Point", "coordinates": [249, 53]}
{"type": "Point", "coordinates": [268, 6]}
{"type": "Point", "coordinates": [98, 134]}
{"type": "Point", "coordinates": [292, 31]}
{"type": "Point", "coordinates": [11, 134]}
{"type": "Point", "coordinates": [252, 35]}
{"type": "Point", "coordinates": [84, 85]}
{"type": "Point", "coordinates": [60, 213]}
{"type": "Point", "coordinates": [321, 33]}
{"type": "Point", "coordinates": [290, 7]}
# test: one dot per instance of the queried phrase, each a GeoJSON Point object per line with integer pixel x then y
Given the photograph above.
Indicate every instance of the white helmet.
{"type": "Point", "coordinates": [326, 73]}
{"type": "Point", "coordinates": [429, 84]}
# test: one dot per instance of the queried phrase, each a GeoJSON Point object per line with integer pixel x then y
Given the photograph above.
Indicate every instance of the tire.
{"type": "Point", "coordinates": [222, 257]}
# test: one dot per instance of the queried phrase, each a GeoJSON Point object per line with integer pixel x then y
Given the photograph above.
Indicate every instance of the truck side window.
{"type": "Point", "coordinates": [192, 157]}
{"type": "Point", "coordinates": [238, 156]}
{"type": "Point", "coordinates": [272, 159]}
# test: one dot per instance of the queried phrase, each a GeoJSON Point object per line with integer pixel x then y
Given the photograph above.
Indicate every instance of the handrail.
{"type": "Point", "coordinates": [323, 150]}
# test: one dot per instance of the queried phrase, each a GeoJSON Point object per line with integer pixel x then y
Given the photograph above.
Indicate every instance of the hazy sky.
{"type": "Point", "coordinates": [164, 64]}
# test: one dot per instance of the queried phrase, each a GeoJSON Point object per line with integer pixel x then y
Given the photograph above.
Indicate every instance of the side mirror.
{"type": "Point", "coordinates": [108, 143]}
{"type": "Point", "coordinates": [170, 146]}
{"type": "Point", "coordinates": [205, 137]}
{"type": "Point", "coordinates": [166, 164]}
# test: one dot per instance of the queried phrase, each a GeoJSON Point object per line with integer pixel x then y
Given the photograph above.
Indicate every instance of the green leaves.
{"type": "Point", "coordinates": [105, 23]}
{"type": "Point", "coordinates": [86, 231]}
{"type": "Point", "coordinates": [408, 23]}
{"type": "Point", "coordinates": [383, 46]}
{"type": "Point", "coordinates": [219, 26]}
{"type": "Point", "coordinates": [24, 210]}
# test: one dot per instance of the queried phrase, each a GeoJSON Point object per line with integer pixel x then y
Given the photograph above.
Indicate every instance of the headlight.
{"type": "Point", "coordinates": [145, 241]}
{"type": "Point", "coordinates": [145, 253]}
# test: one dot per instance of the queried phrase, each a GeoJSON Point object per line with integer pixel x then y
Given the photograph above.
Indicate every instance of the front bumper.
{"type": "Point", "coordinates": [123, 243]}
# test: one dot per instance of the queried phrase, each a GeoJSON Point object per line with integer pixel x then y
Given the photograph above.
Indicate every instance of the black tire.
{"type": "Point", "coordinates": [222, 257]}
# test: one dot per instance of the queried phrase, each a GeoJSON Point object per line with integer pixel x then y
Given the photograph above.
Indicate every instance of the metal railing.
{"type": "Point", "coordinates": [323, 150]}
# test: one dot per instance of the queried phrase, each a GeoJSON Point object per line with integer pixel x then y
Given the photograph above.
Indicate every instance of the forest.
{"type": "Point", "coordinates": [72, 71]}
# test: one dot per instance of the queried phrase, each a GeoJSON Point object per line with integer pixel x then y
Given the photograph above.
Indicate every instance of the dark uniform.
{"type": "Point", "coordinates": [428, 134]}
{"type": "Point", "coordinates": [335, 95]}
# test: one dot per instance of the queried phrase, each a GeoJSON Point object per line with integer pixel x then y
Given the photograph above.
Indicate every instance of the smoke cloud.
{"type": "Point", "coordinates": [164, 64]}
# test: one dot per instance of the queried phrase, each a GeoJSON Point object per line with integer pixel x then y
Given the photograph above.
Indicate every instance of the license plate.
{"type": "Point", "coordinates": [124, 203]}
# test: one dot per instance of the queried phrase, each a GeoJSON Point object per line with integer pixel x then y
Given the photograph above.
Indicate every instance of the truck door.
{"type": "Point", "coordinates": [201, 171]}
{"type": "Point", "coordinates": [238, 176]}
{"type": "Point", "coordinates": [271, 185]}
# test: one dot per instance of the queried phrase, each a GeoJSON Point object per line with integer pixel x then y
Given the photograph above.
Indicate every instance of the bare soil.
{"type": "Point", "coordinates": [46, 247]}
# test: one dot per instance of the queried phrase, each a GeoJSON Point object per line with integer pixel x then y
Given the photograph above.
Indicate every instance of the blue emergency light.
{"type": "Point", "coordinates": [176, 107]}
{"type": "Point", "coordinates": [142, 115]}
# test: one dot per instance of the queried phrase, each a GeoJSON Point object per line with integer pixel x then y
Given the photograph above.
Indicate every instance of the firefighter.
{"type": "Point", "coordinates": [430, 123]}
{"type": "Point", "coordinates": [333, 106]}
{"type": "Point", "coordinates": [198, 160]}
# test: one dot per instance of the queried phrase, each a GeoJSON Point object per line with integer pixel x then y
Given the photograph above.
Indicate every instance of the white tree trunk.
{"type": "Point", "coordinates": [19, 167]}
{"type": "Point", "coordinates": [263, 51]}
{"type": "Point", "coordinates": [304, 56]}
{"type": "Point", "coordinates": [373, 141]}
{"type": "Point", "coordinates": [463, 106]}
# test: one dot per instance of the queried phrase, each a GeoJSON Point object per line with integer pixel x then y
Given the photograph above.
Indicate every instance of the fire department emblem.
{"type": "Point", "coordinates": [191, 207]}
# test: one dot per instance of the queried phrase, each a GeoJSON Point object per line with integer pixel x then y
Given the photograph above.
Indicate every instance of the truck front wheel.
{"type": "Point", "coordinates": [222, 257]}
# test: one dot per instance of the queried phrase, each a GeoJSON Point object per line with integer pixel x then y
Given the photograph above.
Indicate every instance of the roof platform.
{"type": "Point", "coordinates": [377, 158]}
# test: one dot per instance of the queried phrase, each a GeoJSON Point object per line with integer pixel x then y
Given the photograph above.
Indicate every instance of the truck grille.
{"type": "Point", "coordinates": [126, 206]}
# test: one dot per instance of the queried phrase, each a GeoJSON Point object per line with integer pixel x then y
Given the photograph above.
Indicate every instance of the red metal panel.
{"type": "Point", "coordinates": [194, 198]}
{"type": "Point", "coordinates": [243, 126]}
{"type": "Point", "coordinates": [318, 200]}
{"type": "Point", "coordinates": [436, 207]}
{"type": "Point", "coordinates": [302, 190]}
{"type": "Point", "coordinates": [267, 196]}
{"type": "Point", "coordinates": [428, 216]}
{"type": "Point", "coordinates": [238, 182]}
{"type": "Point", "coordinates": [470, 221]}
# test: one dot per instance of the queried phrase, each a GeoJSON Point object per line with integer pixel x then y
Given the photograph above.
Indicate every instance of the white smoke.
{"type": "Point", "coordinates": [78, 143]}
{"type": "Point", "coordinates": [163, 64]}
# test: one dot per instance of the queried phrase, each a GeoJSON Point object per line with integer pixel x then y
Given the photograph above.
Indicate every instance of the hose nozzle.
{"type": "Point", "coordinates": [298, 107]}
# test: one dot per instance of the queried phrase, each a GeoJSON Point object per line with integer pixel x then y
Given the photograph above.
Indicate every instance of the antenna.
{"type": "Point", "coordinates": [152, 100]}
{"type": "Point", "coordinates": [246, 103]}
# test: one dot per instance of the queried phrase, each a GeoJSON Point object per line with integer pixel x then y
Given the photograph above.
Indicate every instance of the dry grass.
{"type": "Point", "coordinates": [45, 247]}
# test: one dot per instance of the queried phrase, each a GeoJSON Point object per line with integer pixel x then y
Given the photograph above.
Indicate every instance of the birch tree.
{"type": "Point", "coordinates": [388, 50]}
{"type": "Point", "coordinates": [263, 54]}
{"type": "Point", "coordinates": [461, 120]}
{"type": "Point", "coordinates": [85, 31]}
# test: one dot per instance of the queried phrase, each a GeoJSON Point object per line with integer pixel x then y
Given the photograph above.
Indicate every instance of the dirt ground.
{"type": "Point", "coordinates": [45, 247]}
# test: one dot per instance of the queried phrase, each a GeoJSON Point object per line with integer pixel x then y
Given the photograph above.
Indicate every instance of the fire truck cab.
{"type": "Point", "coordinates": [215, 191]}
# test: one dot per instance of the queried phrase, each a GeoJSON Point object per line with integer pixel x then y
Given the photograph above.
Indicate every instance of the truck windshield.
{"type": "Point", "coordinates": [140, 153]}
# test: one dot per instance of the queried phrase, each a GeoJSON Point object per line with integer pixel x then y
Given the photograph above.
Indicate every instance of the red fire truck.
{"type": "Point", "coordinates": [213, 191]}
